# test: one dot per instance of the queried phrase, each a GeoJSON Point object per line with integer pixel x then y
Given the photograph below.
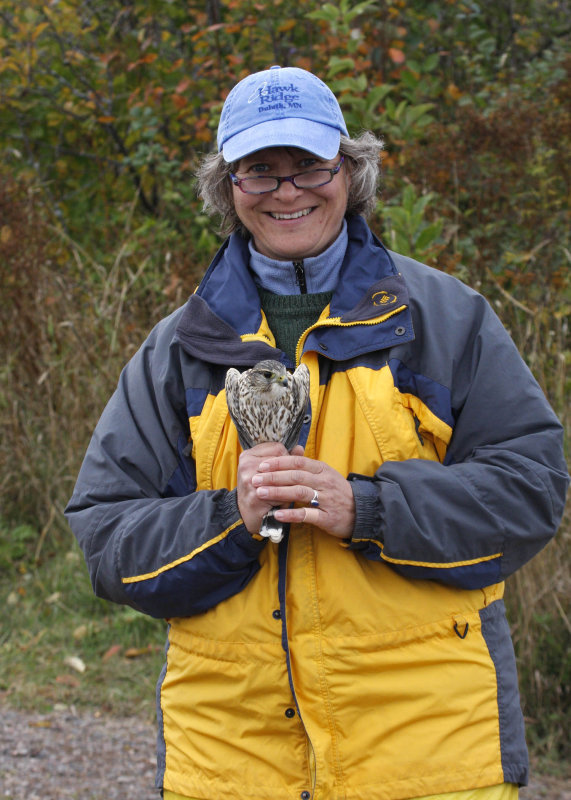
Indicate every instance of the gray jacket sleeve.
{"type": "Point", "coordinates": [499, 495]}
{"type": "Point", "coordinates": [150, 539]}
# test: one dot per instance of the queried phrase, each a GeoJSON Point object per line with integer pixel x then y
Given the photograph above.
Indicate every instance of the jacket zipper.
{"type": "Point", "coordinates": [300, 276]}
{"type": "Point", "coordinates": [282, 573]}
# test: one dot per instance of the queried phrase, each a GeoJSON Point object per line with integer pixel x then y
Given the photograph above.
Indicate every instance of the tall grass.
{"type": "Point", "coordinates": [68, 325]}
{"type": "Point", "coordinates": [70, 320]}
{"type": "Point", "coordinates": [538, 605]}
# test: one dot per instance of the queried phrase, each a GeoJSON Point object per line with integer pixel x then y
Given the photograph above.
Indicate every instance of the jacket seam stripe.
{"type": "Point", "coordinates": [442, 565]}
{"type": "Point", "coordinates": [433, 564]}
{"type": "Point", "coordinates": [149, 575]}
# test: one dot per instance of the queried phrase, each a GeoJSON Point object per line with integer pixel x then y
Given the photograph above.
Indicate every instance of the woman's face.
{"type": "Point", "coordinates": [291, 223]}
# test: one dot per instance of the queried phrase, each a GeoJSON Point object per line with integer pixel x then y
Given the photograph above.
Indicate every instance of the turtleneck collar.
{"type": "Point", "coordinates": [316, 274]}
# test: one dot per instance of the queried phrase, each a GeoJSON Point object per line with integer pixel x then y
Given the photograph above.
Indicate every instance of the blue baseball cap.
{"type": "Point", "coordinates": [280, 107]}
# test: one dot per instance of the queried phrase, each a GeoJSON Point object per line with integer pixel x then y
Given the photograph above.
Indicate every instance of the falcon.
{"type": "Point", "coordinates": [268, 404]}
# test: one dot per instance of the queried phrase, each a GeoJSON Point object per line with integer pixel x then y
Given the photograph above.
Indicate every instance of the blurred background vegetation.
{"type": "Point", "coordinates": [106, 109]}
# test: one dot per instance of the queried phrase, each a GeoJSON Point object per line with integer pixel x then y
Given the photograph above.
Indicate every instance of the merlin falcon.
{"type": "Point", "coordinates": [268, 404]}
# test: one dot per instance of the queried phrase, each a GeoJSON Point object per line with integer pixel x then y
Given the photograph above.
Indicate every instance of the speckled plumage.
{"type": "Point", "coordinates": [268, 404]}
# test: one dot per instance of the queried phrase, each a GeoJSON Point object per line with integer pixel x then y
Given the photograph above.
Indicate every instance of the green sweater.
{"type": "Point", "coordinates": [289, 315]}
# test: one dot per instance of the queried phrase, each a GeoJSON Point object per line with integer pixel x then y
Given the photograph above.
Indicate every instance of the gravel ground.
{"type": "Point", "coordinates": [65, 755]}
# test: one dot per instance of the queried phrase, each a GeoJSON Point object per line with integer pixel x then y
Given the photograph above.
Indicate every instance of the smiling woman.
{"type": "Point", "coordinates": [365, 653]}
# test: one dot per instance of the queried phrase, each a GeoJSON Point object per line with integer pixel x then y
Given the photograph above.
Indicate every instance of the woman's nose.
{"type": "Point", "coordinates": [287, 190]}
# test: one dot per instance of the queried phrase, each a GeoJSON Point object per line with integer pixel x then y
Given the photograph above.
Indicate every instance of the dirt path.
{"type": "Point", "coordinates": [65, 755]}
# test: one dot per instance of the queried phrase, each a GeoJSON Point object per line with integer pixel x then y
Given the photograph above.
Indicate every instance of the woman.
{"type": "Point", "coordinates": [367, 655]}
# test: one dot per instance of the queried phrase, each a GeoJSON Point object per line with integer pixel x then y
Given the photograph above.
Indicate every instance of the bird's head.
{"type": "Point", "coordinates": [267, 376]}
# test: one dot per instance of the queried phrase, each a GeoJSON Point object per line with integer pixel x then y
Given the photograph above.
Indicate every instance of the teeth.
{"type": "Point", "coordinates": [295, 215]}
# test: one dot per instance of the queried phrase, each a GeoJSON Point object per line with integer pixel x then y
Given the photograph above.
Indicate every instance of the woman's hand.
{"type": "Point", "coordinates": [281, 479]}
{"type": "Point", "coordinates": [253, 507]}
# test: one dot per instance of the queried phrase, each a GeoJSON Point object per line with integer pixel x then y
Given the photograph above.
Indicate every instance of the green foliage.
{"type": "Point", "coordinates": [404, 123]}
{"type": "Point", "coordinates": [15, 544]}
{"type": "Point", "coordinates": [340, 17]}
{"type": "Point", "coordinates": [106, 111]}
{"type": "Point", "coordinates": [407, 231]}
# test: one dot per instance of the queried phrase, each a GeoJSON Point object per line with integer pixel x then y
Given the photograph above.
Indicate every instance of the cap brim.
{"type": "Point", "coordinates": [315, 137]}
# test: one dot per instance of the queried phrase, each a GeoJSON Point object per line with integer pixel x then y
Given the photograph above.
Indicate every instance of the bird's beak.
{"type": "Point", "coordinates": [283, 380]}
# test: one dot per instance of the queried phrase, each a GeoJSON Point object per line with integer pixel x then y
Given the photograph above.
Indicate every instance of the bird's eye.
{"type": "Point", "coordinates": [267, 375]}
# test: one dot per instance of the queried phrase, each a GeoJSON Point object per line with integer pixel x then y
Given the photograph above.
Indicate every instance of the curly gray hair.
{"type": "Point", "coordinates": [362, 157]}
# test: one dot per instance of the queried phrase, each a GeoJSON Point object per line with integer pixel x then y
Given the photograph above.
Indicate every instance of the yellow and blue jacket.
{"type": "Point", "coordinates": [376, 668]}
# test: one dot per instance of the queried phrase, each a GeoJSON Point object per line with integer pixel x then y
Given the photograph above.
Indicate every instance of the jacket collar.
{"type": "Point", "coordinates": [223, 323]}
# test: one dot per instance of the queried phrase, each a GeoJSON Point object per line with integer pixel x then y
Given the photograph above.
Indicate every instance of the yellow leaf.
{"type": "Point", "coordinates": [38, 30]}
{"type": "Point", "coordinates": [9, 63]}
{"type": "Point", "coordinates": [80, 632]}
{"type": "Point", "coordinates": [74, 55]}
{"type": "Point", "coordinates": [135, 652]}
{"type": "Point", "coordinates": [453, 91]}
{"type": "Point", "coordinates": [287, 25]}
{"type": "Point", "coordinates": [75, 663]}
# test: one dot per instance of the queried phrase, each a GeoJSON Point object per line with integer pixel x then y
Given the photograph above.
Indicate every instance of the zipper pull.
{"type": "Point", "coordinates": [300, 276]}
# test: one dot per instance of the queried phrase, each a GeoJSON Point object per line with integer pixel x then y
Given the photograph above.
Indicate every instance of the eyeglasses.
{"type": "Point", "coordinates": [302, 180]}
